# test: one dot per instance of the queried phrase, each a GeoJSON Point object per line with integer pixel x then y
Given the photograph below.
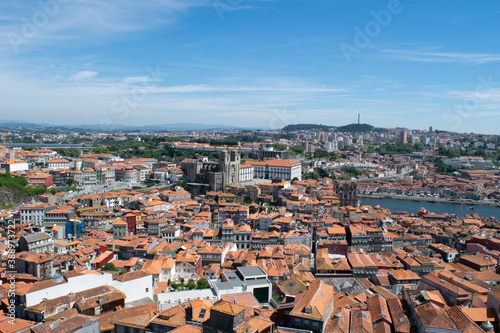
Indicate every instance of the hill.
{"type": "Point", "coordinates": [14, 189]}
{"type": "Point", "coordinates": [118, 127]}
{"type": "Point", "coordinates": [353, 128]}
{"type": "Point", "coordinates": [306, 127]}
{"type": "Point", "coordinates": [356, 128]}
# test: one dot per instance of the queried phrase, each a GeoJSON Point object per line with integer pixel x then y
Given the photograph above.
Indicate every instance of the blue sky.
{"type": "Point", "coordinates": [258, 63]}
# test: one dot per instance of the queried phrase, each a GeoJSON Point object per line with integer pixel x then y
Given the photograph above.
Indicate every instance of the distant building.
{"type": "Point", "coordinates": [277, 169]}
{"type": "Point", "coordinates": [271, 152]}
{"type": "Point", "coordinates": [58, 163]}
{"type": "Point", "coordinates": [215, 175]}
{"type": "Point", "coordinates": [36, 243]}
{"type": "Point", "coordinates": [463, 162]}
{"type": "Point", "coordinates": [347, 193]}
{"type": "Point", "coordinates": [35, 213]}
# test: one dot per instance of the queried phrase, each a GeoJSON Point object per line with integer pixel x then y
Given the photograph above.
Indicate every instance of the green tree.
{"type": "Point", "coordinates": [182, 183]}
{"type": "Point", "coordinates": [419, 146]}
{"type": "Point", "coordinates": [100, 150]}
{"type": "Point", "coordinates": [109, 267]}
{"type": "Point", "coordinates": [322, 173]}
{"type": "Point", "coordinates": [351, 172]}
{"type": "Point", "coordinates": [321, 153]}
{"type": "Point", "coordinates": [298, 149]}
{"type": "Point", "coordinates": [73, 152]}
{"type": "Point", "coordinates": [310, 175]}
{"type": "Point", "coordinates": [191, 284]}
{"type": "Point", "coordinates": [443, 168]}
{"type": "Point", "coordinates": [202, 284]}
{"type": "Point", "coordinates": [480, 152]}
{"type": "Point", "coordinates": [277, 146]}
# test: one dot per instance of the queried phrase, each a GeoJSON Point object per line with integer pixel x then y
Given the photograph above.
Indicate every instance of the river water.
{"type": "Point", "coordinates": [409, 206]}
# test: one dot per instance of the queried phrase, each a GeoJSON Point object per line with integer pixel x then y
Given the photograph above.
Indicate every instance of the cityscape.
{"type": "Point", "coordinates": [233, 167]}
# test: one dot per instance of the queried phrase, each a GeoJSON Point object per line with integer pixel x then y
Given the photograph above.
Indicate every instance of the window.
{"type": "Point", "coordinates": [147, 289]}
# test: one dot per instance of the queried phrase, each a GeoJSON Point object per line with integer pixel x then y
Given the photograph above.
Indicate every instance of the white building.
{"type": "Point", "coordinates": [246, 172]}
{"type": "Point", "coordinates": [35, 212]}
{"type": "Point", "coordinates": [58, 163]}
{"type": "Point", "coordinates": [135, 285]}
{"type": "Point", "coordinates": [167, 300]}
{"type": "Point", "coordinates": [13, 164]}
{"type": "Point", "coordinates": [167, 273]}
{"type": "Point", "coordinates": [464, 162]}
{"type": "Point", "coordinates": [272, 169]}
{"type": "Point", "coordinates": [246, 279]}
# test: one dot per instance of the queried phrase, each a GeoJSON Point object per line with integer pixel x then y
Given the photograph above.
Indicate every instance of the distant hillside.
{"type": "Point", "coordinates": [306, 127]}
{"type": "Point", "coordinates": [356, 128]}
{"type": "Point", "coordinates": [347, 128]}
{"type": "Point", "coordinates": [118, 127]}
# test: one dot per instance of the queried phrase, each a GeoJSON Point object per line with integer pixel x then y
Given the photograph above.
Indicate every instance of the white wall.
{"type": "Point", "coordinates": [168, 300]}
{"type": "Point", "coordinates": [18, 167]}
{"type": "Point", "coordinates": [74, 284]}
{"type": "Point", "coordinates": [133, 289]}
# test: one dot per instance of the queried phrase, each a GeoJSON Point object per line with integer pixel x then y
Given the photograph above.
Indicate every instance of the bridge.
{"type": "Point", "coordinates": [82, 147]}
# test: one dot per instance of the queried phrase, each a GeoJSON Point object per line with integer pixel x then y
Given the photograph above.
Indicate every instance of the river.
{"type": "Point", "coordinates": [409, 206]}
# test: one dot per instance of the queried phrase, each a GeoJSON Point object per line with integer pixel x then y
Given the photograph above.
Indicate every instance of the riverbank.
{"type": "Point", "coordinates": [425, 199]}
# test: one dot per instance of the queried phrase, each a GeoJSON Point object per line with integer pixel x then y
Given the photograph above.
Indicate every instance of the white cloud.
{"type": "Point", "coordinates": [83, 75]}
{"type": "Point", "coordinates": [441, 57]}
{"type": "Point", "coordinates": [202, 88]}
{"type": "Point", "coordinates": [88, 21]}
{"type": "Point", "coordinates": [138, 79]}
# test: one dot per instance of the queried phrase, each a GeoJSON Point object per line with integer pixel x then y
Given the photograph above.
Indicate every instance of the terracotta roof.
{"type": "Point", "coordinates": [314, 301]}
{"type": "Point", "coordinates": [20, 325]}
{"type": "Point", "coordinates": [227, 308]}
{"type": "Point", "coordinates": [106, 320]}
{"type": "Point", "coordinates": [64, 325]}
{"type": "Point", "coordinates": [480, 314]}
{"type": "Point", "coordinates": [244, 299]}
{"type": "Point", "coordinates": [377, 305]}
{"type": "Point", "coordinates": [132, 276]}
{"type": "Point", "coordinates": [187, 329]}
{"type": "Point", "coordinates": [120, 222]}
{"type": "Point", "coordinates": [435, 316]}
{"type": "Point", "coordinates": [463, 322]}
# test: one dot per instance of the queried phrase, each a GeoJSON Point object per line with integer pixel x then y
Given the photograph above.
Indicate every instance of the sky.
{"type": "Point", "coordinates": [252, 63]}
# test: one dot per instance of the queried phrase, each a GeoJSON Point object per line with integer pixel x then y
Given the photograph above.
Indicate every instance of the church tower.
{"type": "Point", "coordinates": [229, 164]}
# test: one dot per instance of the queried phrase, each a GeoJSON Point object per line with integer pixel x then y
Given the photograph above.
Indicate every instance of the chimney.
{"type": "Point", "coordinates": [101, 300]}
